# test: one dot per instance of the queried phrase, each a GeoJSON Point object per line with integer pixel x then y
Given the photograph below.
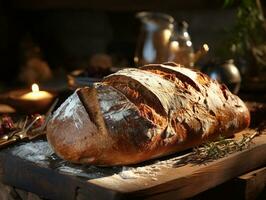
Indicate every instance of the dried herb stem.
{"type": "Point", "coordinates": [210, 151]}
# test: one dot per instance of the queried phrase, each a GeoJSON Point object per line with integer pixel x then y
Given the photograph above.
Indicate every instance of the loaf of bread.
{"type": "Point", "coordinates": [139, 114]}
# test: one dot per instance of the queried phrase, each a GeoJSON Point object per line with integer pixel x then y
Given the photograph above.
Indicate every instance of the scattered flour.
{"type": "Point", "coordinates": [77, 172]}
{"type": "Point", "coordinates": [150, 170]}
{"type": "Point", "coordinates": [37, 151]}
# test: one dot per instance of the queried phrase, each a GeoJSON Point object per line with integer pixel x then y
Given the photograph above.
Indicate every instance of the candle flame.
{"type": "Point", "coordinates": [36, 94]}
{"type": "Point", "coordinates": [206, 47]}
{"type": "Point", "coordinates": [35, 88]}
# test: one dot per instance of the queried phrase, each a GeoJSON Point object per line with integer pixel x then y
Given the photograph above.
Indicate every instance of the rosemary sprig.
{"type": "Point", "coordinates": [219, 149]}
{"type": "Point", "coordinates": [210, 151]}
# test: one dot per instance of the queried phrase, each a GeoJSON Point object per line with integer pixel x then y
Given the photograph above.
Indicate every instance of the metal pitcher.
{"type": "Point", "coordinates": [153, 43]}
{"type": "Point", "coordinates": [181, 49]}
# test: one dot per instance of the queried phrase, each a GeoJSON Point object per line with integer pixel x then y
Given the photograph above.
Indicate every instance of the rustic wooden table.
{"type": "Point", "coordinates": [32, 167]}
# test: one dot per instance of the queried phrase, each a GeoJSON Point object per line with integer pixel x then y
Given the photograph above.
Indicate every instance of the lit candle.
{"type": "Point", "coordinates": [36, 94]}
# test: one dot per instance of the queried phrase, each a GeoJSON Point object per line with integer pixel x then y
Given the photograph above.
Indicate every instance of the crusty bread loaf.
{"type": "Point", "coordinates": [135, 115]}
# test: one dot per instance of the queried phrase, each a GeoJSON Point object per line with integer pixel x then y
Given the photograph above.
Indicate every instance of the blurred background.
{"type": "Point", "coordinates": [56, 36]}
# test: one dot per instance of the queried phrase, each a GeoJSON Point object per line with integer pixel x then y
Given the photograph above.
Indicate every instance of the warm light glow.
{"type": "Point", "coordinates": [189, 43]}
{"type": "Point", "coordinates": [206, 47]}
{"type": "Point", "coordinates": [35, 87]}
{"type": "Point", "coordinates": [166, 34]}
{"type": "Point", "coordinates": [186, 34]}
{"type": "Point", "coordinates": [36, 94]}
{"type": "Point", "coordinates": [174, 45]}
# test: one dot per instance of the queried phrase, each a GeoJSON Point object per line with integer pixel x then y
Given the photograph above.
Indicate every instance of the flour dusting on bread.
{"type": "Point", "coordinates": [71, 108]}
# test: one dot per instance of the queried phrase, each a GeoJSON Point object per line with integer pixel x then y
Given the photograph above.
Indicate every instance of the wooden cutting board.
{"type": "Point", "coordinates": [30, 166]}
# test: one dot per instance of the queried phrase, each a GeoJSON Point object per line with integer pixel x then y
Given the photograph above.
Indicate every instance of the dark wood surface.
{"type": "Point", "coordinates": [249, 186]}
{"type": "Point", "coordinates": [253, 184]}
{"type": "Point", "coordinates": [44, 181]}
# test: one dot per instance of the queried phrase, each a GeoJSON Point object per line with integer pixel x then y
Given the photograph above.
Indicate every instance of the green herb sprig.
{"type": "Point", "coordinates": [248, 34]}
{"type": "Point", "coordinates": [214, 150]}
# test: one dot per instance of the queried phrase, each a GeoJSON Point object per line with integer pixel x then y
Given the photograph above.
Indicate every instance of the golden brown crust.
{"type": "Point", "coordinates": [146, 113]}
